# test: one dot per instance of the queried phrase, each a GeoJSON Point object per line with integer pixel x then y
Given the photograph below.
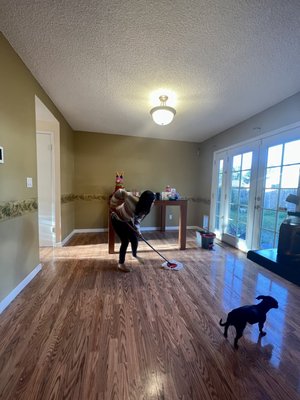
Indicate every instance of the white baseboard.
{"type": "Point", "coordinates": [168, 228]}
{"type": "Point", "coordinates": [143, 229]}
{"type": "Point", "coordinates": [67, 238]}
{"type": "Point", "coordinates": [14, 293]}
{"type": "Point", "coordinates": [90, 230]}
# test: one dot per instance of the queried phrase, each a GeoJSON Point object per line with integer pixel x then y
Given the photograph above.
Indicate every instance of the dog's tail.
{"type": "Point", "coordinates": [222, 323]}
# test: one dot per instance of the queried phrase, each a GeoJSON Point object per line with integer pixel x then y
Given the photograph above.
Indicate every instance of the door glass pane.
{"type": "Point", "coordinates": [273, 177]}
{"type": "Point", "coordinates": [231, 228]}
{"type": "Point", "coordinates": [218, 208]}
{"type": "Point", "coordinates": [219, 195]}
{"type": "Point", "coordinates": [282, 197]}
{"type": "Point", "coordinates": [271, 198]}
{"type": "Point", "coordinates": [244, 196]}
{"type": "Point", "coordinates": [243, 214]}
{"type": "Point", "coordinates": [290, 176]}
{"type": "Point", "coordinates": [292, 153]}
{"type": "Point", "coordinates": [274, 156]}
{"type": "Point", "coordinates": [221, 164]}
{"type": "Point", "coordinates": [235, 179]}
{"type": "Point", "coordinates": [236, 163]}
{"type": "Point", "coordinates": [266, 239]}
{"type": "Point", "coordinates": [269, 220]}
{"type": "Point", "coordinates": [233, 212]}
{"type": "Point", "coordinates": [280, 218]}
{"type": "Point", "coordinates": [234, 195]}
{"type": "Point", "coordinates": [241, 232]}
{"type": "Point", "coordinates": [247, 161]}
{"type": "Point", "coordinates": [245, 179]}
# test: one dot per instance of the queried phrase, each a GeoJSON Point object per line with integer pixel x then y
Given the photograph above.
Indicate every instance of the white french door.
{"type": "Point", "coordinates": [234, 195]}
{"type": "Point", "coordinates": [280, 172]}
{"type": "Point", "coordinates": [249, 189]}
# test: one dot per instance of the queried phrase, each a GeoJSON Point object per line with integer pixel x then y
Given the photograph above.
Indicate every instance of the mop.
{"type": "Point", "coordinates": [172, 264]}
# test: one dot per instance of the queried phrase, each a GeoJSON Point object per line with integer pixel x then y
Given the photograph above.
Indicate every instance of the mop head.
{"type": "Point", "coordinates": [172, 265]}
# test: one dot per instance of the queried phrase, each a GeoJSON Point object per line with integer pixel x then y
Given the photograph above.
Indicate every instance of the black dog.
{"type": "Point", "coordinates": [251, 314]}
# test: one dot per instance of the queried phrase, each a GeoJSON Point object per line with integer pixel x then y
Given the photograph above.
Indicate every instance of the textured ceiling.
{"type": "Point", "coordinates": [100, 61]}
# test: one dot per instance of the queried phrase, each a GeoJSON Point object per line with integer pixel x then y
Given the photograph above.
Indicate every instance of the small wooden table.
{"type": "Point", "coordinates": [162, 204]}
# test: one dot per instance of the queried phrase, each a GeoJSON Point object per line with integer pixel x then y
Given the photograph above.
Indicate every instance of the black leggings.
{"type": "Point", "coordinates": [126, 235]}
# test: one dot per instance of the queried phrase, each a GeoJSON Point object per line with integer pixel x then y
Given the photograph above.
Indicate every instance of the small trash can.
{"type": "Point", "coordinates": [208, 240]}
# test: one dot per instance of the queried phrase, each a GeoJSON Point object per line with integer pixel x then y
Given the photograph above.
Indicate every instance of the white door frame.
{"type": "Point", "coordinates": [52, 167]}
{"type": "Point", "coordinates": [46, 123]}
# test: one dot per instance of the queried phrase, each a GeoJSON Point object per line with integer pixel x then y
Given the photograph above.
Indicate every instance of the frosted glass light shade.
{"type": "Point", "coordinates": [163, 115]}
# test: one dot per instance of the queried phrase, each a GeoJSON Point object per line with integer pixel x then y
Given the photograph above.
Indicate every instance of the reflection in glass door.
{"type": "Point", "coordinates": [239, 195]}
{"type": "Point", "coordinates": [239, 204]}
{"type": "Point", "coordinates": [281, 179]}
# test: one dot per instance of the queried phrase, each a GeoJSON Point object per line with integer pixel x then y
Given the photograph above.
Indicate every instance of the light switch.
{"type": "Point", "coordinates": [29, 182]}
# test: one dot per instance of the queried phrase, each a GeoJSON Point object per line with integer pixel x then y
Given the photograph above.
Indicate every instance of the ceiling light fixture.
{"type": "Point", "coordinates": [163, 114]}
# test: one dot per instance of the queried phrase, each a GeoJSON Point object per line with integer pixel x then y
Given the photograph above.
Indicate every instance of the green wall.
{"type": "Point", "coordinates": [147, 164]}
{"type": "Point", "coordinates": [19, 247]}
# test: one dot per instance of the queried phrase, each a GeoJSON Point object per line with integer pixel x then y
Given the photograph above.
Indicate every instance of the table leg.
{"type": "Point", "coordinates": [182, 227]}
{"type": "Point", "coordinates": [163, 218]}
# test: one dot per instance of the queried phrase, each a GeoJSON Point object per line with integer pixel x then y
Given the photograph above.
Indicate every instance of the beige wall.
{"type": "Point", "coordinates": [147, 164]}
{"type": "Point", "coordinates": [19, 251]}
{"type": "Point", "coordinates": [282, 114]}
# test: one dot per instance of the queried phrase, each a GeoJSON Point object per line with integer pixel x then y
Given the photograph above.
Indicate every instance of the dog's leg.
{"type": "Point", "coordinates": [261, 332]}
{"type": "Point", "coordinates": [239, 334]}
{"type": "Point", "coordinates": [226, 330]}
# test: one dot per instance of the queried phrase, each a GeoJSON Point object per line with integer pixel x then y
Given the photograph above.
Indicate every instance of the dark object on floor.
{"type": "Point", "coordinates": [253, 314]}
{"type": "Point", "coordinates": [208, 240]}
{"type": "Point", "coordinates": [288, 269]}
{"type": "Point", "coordinates": [289, 238]}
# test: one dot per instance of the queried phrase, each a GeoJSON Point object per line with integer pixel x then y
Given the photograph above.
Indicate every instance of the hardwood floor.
{"type": "Point", "coordinates": [83, 330]}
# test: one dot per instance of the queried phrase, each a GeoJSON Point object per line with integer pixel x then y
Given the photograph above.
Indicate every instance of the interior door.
{"type": "Point", "coordinates": [45, 189]}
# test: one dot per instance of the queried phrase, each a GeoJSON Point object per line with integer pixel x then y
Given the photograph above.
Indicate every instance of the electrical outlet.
{"type": "Point", "coordinates": [170, 217]}
{"type": "Point", "coordinates": [29, 182]}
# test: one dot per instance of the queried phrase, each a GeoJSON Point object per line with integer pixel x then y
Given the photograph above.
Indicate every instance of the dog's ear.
{"type": "Point", "coordinates": [260, 297]}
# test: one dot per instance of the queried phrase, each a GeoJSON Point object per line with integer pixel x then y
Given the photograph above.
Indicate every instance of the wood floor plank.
{"type": "Point", "coordinates": [83, 330]}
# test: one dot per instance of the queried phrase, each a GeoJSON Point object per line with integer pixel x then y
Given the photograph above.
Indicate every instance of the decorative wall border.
{"type": "Point", "coordinates": [67, 198]}
{"type": "Point", "coordinates": [198, 200]}
{"type": "Point", "coordinates": [13, 209]}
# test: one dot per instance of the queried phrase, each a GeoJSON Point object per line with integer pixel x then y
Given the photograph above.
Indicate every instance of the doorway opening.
{"type": "Point", "coordinates": [48, 176]}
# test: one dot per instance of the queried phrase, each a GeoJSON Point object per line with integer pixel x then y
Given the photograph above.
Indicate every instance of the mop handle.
{"type": "Point", "coordinates": [142, 237]}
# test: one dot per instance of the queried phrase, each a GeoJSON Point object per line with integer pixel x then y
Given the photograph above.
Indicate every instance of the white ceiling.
{"type": "Point", "coordinates": [100, 61]}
